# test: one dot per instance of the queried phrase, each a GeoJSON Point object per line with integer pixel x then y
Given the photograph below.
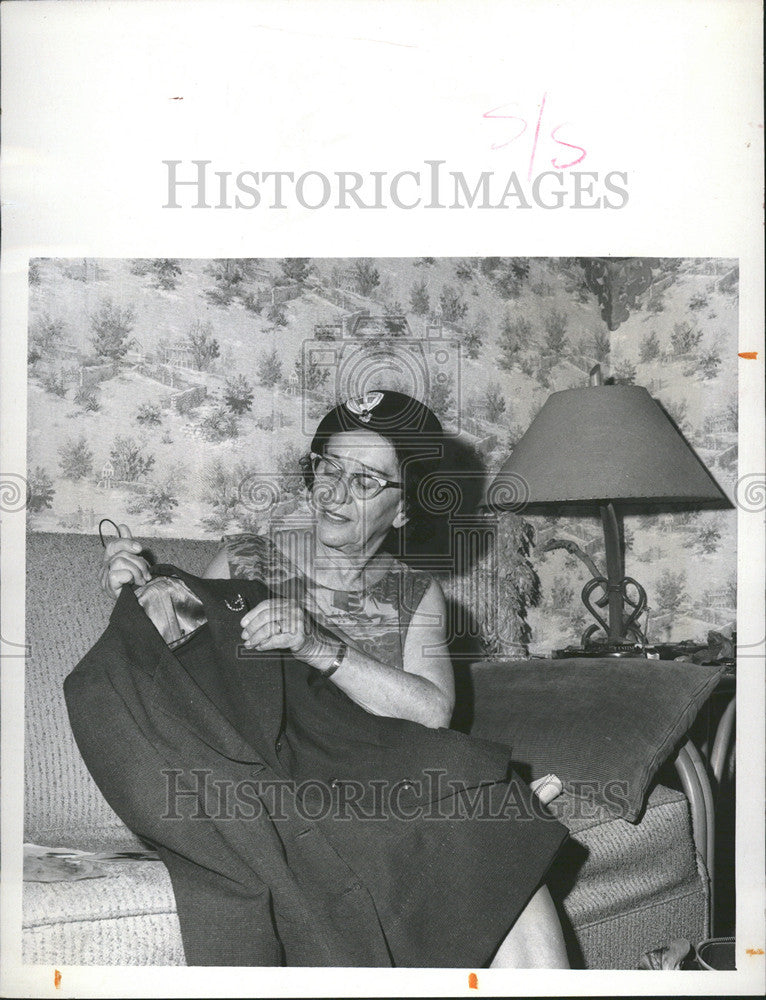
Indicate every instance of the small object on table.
{"type": "Point", "coordinates": [599, 649]}
{"type": "Point", "coordinates": [719, 649]}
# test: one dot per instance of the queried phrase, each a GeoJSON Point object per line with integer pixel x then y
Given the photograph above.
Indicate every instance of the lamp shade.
{"type": "Point", "coordinates": [603, 443]}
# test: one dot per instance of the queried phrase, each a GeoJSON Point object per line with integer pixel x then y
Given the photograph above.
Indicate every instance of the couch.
{"type": "Point", "coordinates": [625, 884]}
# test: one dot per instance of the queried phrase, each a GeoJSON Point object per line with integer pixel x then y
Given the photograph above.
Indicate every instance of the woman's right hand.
{"type": "Point", "coordinates": [123, 563]}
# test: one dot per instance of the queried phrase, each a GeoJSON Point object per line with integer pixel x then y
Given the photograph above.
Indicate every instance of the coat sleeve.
{"type": "Point", "coordinates": [225, 915]}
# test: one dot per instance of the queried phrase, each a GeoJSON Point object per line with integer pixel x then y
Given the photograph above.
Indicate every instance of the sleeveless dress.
{"type": "Point", "coordinates": [373, 619]}
{"type": "Point", "coordinates": [446, 886]}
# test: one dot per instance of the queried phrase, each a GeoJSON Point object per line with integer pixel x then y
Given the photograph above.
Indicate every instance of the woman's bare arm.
{"type": "Point", "coordinates": [425, 690]}
{"type": "Point", "coordinates": [422, 692]}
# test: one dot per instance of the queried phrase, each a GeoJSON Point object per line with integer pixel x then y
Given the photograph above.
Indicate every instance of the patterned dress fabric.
{"type": "Point", "coordinates": [373, 619]}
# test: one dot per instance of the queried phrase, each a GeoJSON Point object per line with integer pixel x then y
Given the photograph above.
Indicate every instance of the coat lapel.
{"type": "Point", "coordinates": [231, 700]}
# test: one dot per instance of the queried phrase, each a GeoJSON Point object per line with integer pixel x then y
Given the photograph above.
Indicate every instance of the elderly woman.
{"type": "Point", "coordinates": [369, 633]}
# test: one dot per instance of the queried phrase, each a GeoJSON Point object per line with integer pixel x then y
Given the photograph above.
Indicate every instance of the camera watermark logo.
{"type": "Point", "coordinates": [426, 369]}
{"type": "Point", "coordinates": [15, 492]}
{"type": "Point", "coordinates": [750, 493]}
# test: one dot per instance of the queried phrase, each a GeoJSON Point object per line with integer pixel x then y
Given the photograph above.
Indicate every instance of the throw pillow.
{"type": "Point", "coordinates": [603, 726]}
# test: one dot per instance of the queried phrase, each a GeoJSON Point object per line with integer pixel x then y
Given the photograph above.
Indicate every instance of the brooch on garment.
{"type": "Point", "coordinates": [361, 406]}
{"type": "Point", "coordinates": [237, 605]}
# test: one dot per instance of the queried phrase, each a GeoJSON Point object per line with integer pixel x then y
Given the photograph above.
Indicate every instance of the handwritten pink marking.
{"type": "Point", "coordinates": [556, 162]}
{"type": "Point", "coordinates": [569, 145]}
{"type": "Point", "coordinates": [537, 134]}
{"type": "Point", "coordinates": [491, 114]}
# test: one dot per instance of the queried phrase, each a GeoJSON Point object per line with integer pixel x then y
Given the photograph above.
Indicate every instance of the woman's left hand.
{"type": "Point", "coordinates": [278, 623]}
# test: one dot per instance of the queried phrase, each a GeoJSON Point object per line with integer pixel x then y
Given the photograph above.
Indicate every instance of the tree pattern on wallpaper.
{"type": "Point", "coordinates": [177, 395]}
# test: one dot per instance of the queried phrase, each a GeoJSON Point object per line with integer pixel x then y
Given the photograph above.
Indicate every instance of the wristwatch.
{"type": "Point", "coordinates": [339, 658]}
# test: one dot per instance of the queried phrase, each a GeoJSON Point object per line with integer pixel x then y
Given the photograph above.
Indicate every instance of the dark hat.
{"type": "Point", "coordinates": [411, 427]}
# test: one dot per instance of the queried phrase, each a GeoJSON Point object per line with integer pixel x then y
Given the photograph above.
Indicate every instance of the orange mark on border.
{"type": "Point", "coordinates": [57, 979]}
{"type": "Point", "coordinates": [750, 355]}
{"type": "Point", "coordinates": [754, 951]}
{"type": "Point", "coordinates": [473, 981]}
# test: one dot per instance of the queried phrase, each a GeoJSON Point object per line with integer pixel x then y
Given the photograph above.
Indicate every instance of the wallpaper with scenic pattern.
{"type": "Point", "coordinates": [178, 395]}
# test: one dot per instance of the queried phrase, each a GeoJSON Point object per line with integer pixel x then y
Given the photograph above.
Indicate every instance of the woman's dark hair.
{"type": "Point", "coordinates": [410, 426]}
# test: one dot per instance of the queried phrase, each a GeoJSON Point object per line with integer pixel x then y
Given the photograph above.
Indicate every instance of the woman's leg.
{"type": "Point", "coordinates": [536, 940]}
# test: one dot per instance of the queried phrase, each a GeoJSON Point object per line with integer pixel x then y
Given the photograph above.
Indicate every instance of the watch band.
{"type": "Point", "coordinates": [339, 658]}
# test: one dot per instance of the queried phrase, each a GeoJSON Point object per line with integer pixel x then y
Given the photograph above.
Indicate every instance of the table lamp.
{"type": "Point", "coordinates": [609, 448]}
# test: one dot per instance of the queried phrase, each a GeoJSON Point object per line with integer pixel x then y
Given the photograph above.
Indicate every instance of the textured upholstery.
{"type": "Point", "coordinates": [644, 878]}
{"type": "Point", "coordinates": [624, 888]}
{"type": "Point", "coordinates": [66, 612]}
{"type": "Point", "coordinates": [127, 917]}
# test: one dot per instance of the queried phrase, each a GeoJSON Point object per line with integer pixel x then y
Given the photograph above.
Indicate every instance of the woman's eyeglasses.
{"type": "Point", "coordinates": [363, 485]}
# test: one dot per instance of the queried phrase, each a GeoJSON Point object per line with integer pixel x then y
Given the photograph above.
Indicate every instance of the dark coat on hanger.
{"type": "Point", "coordinates": [259, 784]}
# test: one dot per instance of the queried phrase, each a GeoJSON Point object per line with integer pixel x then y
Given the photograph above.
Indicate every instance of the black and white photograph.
{"type": "Point", "coordinates": [179, 399]}
{"type": "Point", "coordinates": [373, 623]}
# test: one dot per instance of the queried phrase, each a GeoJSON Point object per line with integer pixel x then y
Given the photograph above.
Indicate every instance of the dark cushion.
{"type": "Point", "coordinates": [604, 726]}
